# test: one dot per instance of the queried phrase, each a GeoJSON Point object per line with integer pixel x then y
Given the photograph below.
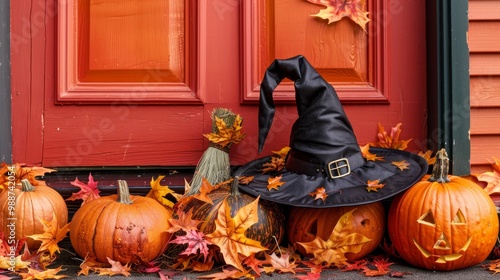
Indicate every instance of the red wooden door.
{"type": "Point", "coordinates": [132, 83]}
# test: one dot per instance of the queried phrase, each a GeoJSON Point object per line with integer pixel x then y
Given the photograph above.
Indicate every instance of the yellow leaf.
{"type": "Point", "coordinates": [365, 151]}
{"type": "Point", "coordinates": [226, 135]}
{"type": "Point", "coordinates": [45, 274]}
{"type": "Point", "coordinates": [229, 233]}
{"type": "Point", "coordinates": [51, 236]}
{"type": "Point", "coordinates": [336, 10]}
{"type": "Point", "coordinates": [18, 264]}
{"type": "Point", "coordinates": [115, 269]}
{"type": "Point", "coordinates": [428, 157]}
{"type": "Point", "coordinates": [283, 152]}
{"type": "Point", "coordinates": [342, 240]}
{"type": "Point", "coordinates": [159, 192]}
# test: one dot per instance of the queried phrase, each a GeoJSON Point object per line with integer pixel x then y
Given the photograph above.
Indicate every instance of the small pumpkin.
{"type": "Point", "coordinates": [443, 222]}
{"type": "Point", "coordinates": [304, 224]}
{"type": "Point", "coordinates": [269, 230]}
{"type": "Point", "coordinates": [25, 205]}
{"type": "Point", "coordinates": [123, 227]}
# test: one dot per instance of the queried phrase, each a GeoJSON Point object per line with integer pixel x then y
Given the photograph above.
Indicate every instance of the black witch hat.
{"type": "Point", "coordinates": [324, 152]}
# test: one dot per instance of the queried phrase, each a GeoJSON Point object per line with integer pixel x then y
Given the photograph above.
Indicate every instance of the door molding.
{"type": "Point", "coordinates": [257, 52]}
{"type": "Point", "coordinates": [153, 83]}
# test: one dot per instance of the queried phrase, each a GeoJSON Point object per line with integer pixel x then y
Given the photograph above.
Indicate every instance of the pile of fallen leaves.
{"type": "Point", "coordinates": [227, 253]}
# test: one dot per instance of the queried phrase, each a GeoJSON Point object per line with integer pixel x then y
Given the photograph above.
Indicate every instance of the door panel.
{"type": "Point", "coordinates": [132, 51]}
{"type": "Point", "coordinates": [85, 115]}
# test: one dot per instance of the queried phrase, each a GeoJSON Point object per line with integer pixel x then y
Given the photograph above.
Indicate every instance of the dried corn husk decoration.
{"type": "Point", "coordinates": [214, 164]}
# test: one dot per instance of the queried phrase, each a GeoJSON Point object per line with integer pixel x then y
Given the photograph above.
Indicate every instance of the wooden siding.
{"type": "Point", "coordinates": [484, 47]}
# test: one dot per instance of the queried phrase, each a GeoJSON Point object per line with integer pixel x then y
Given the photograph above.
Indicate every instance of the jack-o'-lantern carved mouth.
{"type": "Point", "coordinates": [442, 243]}
{"type": "Point", "coordinates": [444, 258]}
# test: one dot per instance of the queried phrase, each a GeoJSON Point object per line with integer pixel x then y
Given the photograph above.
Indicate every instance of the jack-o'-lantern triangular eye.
{"type": "Point", "coordinates": [459, 218]}
{"type": "Point", "coordinates": [427, 218]}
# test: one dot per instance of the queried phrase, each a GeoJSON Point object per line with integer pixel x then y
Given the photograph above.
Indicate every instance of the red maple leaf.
{"type": "Point", "coordinates": [197, 244]}
{"type": "Point", "coordinates": [88, 191]}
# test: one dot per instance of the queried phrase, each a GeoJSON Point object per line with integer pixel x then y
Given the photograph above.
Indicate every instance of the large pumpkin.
{"type": "Point", "coordinates": [305, 224]}
{"type": "Point", "coordinates": [29, 204]}
{"type": "Point", "coordinates": [269, 230]}
{"type": "Point", "coordinates": [443, 222]}
{"type": "Point", "coordinates": [122, 227]}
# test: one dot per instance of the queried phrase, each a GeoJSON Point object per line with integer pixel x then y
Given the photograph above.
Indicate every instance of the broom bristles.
{"type": "Point", "coordinates": [214, 164]}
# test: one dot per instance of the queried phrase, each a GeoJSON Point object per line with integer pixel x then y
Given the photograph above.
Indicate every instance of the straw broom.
{"type": "Point", "coordinates": [214, 164]}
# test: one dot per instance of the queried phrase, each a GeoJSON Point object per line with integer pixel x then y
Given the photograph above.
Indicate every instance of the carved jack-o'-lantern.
{"type": "Point", "coordinates": [443, 222]}
{"type": "Point", "coordinates": [304, 224]}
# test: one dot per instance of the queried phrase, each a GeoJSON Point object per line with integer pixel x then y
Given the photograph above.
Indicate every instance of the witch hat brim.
{"type": "Point", "coordinates": [324, 167]}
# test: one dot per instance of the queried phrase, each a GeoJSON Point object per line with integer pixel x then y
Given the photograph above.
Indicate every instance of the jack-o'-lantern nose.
{"type": "Point", "coordinates": [442, 243]}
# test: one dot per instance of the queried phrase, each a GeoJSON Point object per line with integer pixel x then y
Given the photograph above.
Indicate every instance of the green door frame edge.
{"type": "Point", "coordinates": [448, 81]}
{"type": "Point", "coordinates": [5, 115]}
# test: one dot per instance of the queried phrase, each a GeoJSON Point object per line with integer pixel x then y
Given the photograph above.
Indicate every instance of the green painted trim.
{"type": "Point", "coordinates": [449, 81]}
{"type": "Point", "coordinates": [5, 115]}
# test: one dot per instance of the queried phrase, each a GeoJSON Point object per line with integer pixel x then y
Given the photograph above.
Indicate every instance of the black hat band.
{"type": "Point", "coordinates": [301, 163]}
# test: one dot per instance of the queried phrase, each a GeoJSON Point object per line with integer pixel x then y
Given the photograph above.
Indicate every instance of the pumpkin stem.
{"type": "Point", "coordinates": [123, 192]}
{"type": "Point", "coordinates": [440, 168]}
{"type": "Point", "coordinates": [26, 186]}
{"type": "Point", "coordinates": [234, 187]}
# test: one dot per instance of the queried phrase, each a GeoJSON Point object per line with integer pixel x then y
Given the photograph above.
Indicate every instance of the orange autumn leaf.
{"type": "Point", "coordinates": [492, 178]}
{"type": "Point", "coordinates": [282, 263]}
{"type": "Point", "coordinates": [88, 191]}
{"type": "Point", "coordinates": [374, 185]}
{"type": "Point", "coordinates": [365, 151]}
{"type": "Point", "coordinates": [17, 263]}
{"type": "Point", "coordinates": [342, 240]}
{"type": "Point", "coordinates": [226, 135]}
{"type": "Point", "coordinates": [381, 268]}
{"type": "Point", "coordinates": [205, 189]}
{"type": "Point", "coordinates": [254, 263]}
{"type": "Point", "coordinates": [116, 269]}
{"type": "Point", "coordinates": [20, 171]}
{"type": "Point", "coordinates": [228, 273]}
{"type": "Point", "coordinates": [283, 152]}
{"type": "Point", "coordinates": [158, 192]}
{"type": "Point", "coordinates": [229, 233]}
{"type": "Point", "coordinates": [45, 274]}
{"type": "Point", "coordinates": [428, 156]}
{"type": "Point", "coordinates": [245, 180]}
{"type": "Point", "coordinates": [390, 141]}
{"type": "Point", "coordinates": [51, 235]}
{"type": "Point", "coordinates": [274, 183]}
{"type": "Point", "coordinates": [184, 221]}
{"type": "Point", "coordinates": [493, 266]}
{"type": "Point", "coordinates": [402, 165]}
{"type": "Point", "coordinates": [89, 264]}
{"type": "Point", "coordinates": [319, 193]}
{"type": "Point", "coordinates": [276, 164]}
{"type": "Point", "coordinates": [338, 9]}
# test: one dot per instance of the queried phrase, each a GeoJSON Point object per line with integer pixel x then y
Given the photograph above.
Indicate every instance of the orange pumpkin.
{"type": "Point", "coordinates": [443, 222]}
{"type": "Point", "coordinates": [29, 204]}
{"type": "Point", "coordinates": [304, 224]}
{"type": "Point", "coordinates": [123, 227]}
